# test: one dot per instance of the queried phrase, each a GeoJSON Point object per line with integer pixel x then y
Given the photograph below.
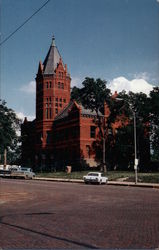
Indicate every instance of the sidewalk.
{"type": "Point", "coordinates": [118, 183]}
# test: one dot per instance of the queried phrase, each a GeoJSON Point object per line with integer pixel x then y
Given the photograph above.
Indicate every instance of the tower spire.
{"type": "Point", "coordinates": [53, 41]}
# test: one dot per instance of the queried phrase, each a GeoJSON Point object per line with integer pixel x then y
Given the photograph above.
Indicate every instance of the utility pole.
{"type": "Point", "coordinates": [104, 135]}
{"type": "Point", "coordinates": [135, 144]}
{"type": "Point", "coordinates": [104, 166]}
{"type": "Point", "coordinates": [135, 148]}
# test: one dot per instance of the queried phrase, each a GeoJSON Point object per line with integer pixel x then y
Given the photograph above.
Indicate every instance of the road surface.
{"type": "Point", "coordinates": [40, 214]}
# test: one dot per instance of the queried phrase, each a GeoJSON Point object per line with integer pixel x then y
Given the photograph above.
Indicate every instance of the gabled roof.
{"type": "Point", "coordinates": [52, 59]}
{"type": "Point", "coordinates": [65, 112]}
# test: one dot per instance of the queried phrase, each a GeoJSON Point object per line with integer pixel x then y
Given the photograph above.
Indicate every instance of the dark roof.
{"type": "Point", "coordinates": [52, 59]}
{"type": "Point", "coordinates": [65, 111]}
{"type": "Point", "coordinates": [88, 111]}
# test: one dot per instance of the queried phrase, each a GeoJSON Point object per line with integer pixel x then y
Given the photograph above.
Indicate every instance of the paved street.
{"type": "Point", "coordinates": [38, 214]}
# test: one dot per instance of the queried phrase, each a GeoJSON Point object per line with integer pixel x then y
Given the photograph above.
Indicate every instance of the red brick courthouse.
{"type": "Point", "coordinates": [63, 131]}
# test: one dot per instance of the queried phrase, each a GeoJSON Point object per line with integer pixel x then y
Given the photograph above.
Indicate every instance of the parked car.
{"type": "Point", "coordinates": [25, 173]}
{"type": "Point", "coordinates": [95, 177]}
{"type": "Point", "coordinates": [5, 173]}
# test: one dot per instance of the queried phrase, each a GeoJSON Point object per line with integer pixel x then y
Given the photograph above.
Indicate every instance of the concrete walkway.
{"type": "Point", "coordinates": [119, 183]}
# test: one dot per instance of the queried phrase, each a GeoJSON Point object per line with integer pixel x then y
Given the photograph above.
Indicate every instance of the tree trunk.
{"type": "Point", "coordinates": [104, 168]}
{"type": "Point", "coordinates": [5, 159]}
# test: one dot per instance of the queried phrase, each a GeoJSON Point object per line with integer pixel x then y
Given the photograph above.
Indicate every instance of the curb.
{"type": "Point", "coordinates": [132, 184]}
{"type": "Point", "coordinates": [58, 180]}
{"type": "Point", "coordinates": [115, 183]}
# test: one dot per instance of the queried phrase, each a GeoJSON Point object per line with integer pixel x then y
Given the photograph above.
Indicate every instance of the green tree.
{"type": "Point", "coordinates": [76, 94]}
{"type": "Point", "coordinates": [94, 93]}
{"type": "Point", "coordinates": [9, 125]}
{"type": "Point", "coordinates": [137, 104]}
{"type": "Point", "coordinates": [154, 118]}
{"type": "Point", "coordinates": [93, 96]}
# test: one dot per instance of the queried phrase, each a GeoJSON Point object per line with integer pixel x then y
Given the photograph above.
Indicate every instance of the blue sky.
{"type": "Point", "coordinates": [116, 40]}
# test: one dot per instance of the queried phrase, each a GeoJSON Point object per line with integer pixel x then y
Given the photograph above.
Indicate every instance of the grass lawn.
{"type": "Point", "coordinates": [112, 176]}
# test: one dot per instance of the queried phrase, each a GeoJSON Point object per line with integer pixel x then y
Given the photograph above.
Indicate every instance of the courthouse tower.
{"type": "Point", "coordinates": [52, 95]}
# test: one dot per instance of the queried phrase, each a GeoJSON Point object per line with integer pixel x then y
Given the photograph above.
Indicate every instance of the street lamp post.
{"type": "Point", "coordinates": [135, 148]}
{"type": "Point", "coordinates": [104, 165]}
{"type": "Point", "coordinates": [135, 139]}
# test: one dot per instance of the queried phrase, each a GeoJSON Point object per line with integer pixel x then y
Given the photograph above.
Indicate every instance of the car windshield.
{"type": "Point", "coordinates": [26, 169]}
{"type": "Point", "coordinates": [92, 174]}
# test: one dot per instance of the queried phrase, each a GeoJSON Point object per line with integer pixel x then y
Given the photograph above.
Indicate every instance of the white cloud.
{"type": "Point", "coordinates": [157, 1]}
{"type": "Point", "coordinates": [142, 75]}
{"type": "Point", "coordinates": [136, 85]}
{"type": "Point", "coordinates": [21, 116]}
{"type": "Point", "coordinates": [75, 81]}
{"type": "Point", "coordinates": [29, 88]}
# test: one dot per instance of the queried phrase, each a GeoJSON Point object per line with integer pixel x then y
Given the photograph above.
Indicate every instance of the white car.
{"type": "Point", "coordinates": [25, 173]}
{"type": "Point", "coordinates": [95, 177]}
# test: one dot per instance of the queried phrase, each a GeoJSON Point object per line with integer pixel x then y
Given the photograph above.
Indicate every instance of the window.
{"type": "Point", "coordinates": [47, 114]}
{"type": "Point", "coordinates": [60, 104]}
{"type": "Point", "coordinates": [60, 74]}
{"type": "Point", "coordinates": [64, 100]}
{"type": "Point", "coordinates": [50, 85]}
{"type": "Point", "coordinates": [60, 85]}
{"type": "Point", "coordinates": [93, 132]}
{"type": "Point", "coordinates": [56, 104]}
{"type": "Point", "coordinates": [56, 111]}
{"type": "Point", "coordinates": [56, 99]}
{"type": "Point", "coordinates": [60, 99]}
{"type": "Point", "coordinates": [50, 113]}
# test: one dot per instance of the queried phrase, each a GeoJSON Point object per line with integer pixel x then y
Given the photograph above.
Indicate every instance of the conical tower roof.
{"type": "Point", "coordinates": [52, 59]}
